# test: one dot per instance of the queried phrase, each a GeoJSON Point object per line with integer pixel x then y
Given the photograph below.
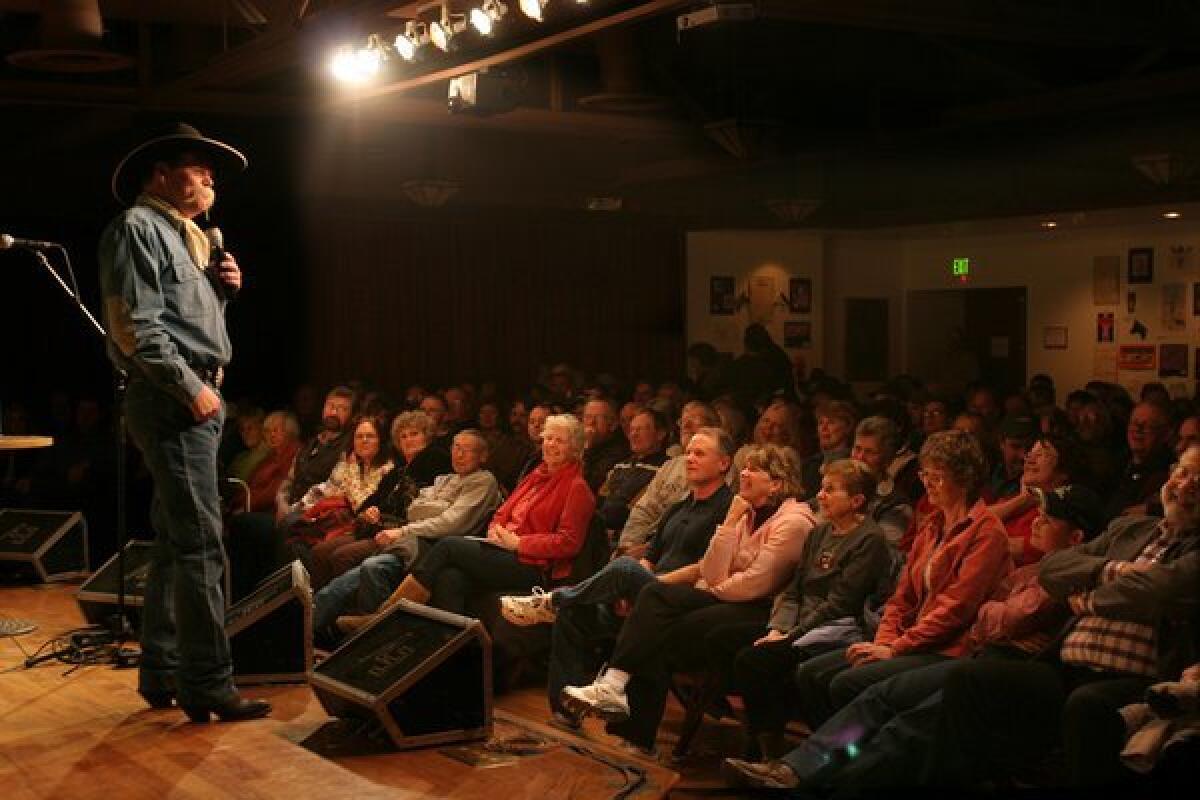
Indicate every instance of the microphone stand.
{"type": "Point", "coordinates": [119, 629]}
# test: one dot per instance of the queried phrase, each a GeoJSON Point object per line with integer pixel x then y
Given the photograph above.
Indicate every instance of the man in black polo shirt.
{"type": "Point", "coordinates": [590, 611]}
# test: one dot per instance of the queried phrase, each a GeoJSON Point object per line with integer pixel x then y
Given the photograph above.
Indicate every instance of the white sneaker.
{"type": "Point", "coordinates": [600, 699]}
{"type": "Point", "coordinates": [531, 609]}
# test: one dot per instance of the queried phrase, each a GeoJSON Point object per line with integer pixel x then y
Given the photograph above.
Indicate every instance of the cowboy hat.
{"type": "Point", "coordinates": [178, 138]}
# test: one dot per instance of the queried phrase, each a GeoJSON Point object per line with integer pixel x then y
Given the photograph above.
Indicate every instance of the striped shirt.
{"type": "Point", "coordinates": [1110, 645]}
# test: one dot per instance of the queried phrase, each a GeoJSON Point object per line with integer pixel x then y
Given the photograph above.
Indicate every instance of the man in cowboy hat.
{"type": "Point", "coordinates": [164, 303]}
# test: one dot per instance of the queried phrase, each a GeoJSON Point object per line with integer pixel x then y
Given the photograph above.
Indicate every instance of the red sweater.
{"type": "Point", "coordinates": [268, 475]}
{"type": "Point", "coordinates": [965, 566]}
{"type": "Point", "coordinates": [556, 522]}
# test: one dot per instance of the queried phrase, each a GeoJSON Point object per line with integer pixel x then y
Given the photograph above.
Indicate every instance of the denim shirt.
{"type": "Point", "coordinates": [163, 316]}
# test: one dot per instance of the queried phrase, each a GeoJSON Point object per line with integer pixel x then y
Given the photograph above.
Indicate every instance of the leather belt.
{"type": "Point", "coordinates": [213, 376]}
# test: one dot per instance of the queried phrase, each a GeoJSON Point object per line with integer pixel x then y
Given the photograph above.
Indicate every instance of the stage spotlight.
{"type": "Point", "coordinates": [533, 9]}
{"type": "Point", "coordinates": [358, 66]}
{"type": "Point", "coordinates": [406, 43]}
{"type": "Point", "coordinates": [443, 31]}
{"type": "Point", "coordinates": [484, 18]}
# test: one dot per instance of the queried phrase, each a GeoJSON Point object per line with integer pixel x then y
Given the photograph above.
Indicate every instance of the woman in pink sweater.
{"type": "Point", "coordinates": [750, 558]}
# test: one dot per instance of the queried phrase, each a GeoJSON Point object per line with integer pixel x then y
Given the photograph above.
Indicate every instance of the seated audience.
{"type": "Point", "coordinates": [750, 557]}
{"type": "Point", "coordinates": [1133, 594]}
{"type": "Point", "coordinates": [455, 504]}
{"type": "Point", "coordinates": [1148, 435]}
{"type": "Point", "coordinates": [835, 433]}
{"type": "Point", "coordinates": [668, 486]}
{"type": "Point", "coordinates": [1014, 438]}
{"type": "Point", "coordinates": [530, 541]}
{"type": "Point", "coordinates": [844, 559]}
{"type": "Point", "coordinates": [606, 445]}
{"type": "Point", "coordinates": [1051, 462]}
{"type": "Point", "coordinates": [956, 562]}
{"type": "Point", "coordinates": [628, 479]}
{"type": "Point", "coordinates": [416, 465]}
{"type": "Point", "coordinates": [281, 433]}
{"type": "Point", "coordinates": [779, 424]}
{"type": "Point", "coordinates": [874, 742]}
{"type": "Point", "coordinates": [254, 447]}
{"type": "Point", "coordinates": [589, 614]}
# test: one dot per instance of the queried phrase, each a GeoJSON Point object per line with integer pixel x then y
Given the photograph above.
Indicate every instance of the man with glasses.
{"type": "Point", "coordinates": [1148, 436]}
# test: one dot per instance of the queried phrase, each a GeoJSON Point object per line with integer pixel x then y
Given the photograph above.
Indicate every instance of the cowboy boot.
{"type": "Point", "coordinates": [409, 589]}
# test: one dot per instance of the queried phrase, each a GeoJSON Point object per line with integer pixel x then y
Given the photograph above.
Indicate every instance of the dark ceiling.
{"type": "Point", "coordinates": [871, 112]}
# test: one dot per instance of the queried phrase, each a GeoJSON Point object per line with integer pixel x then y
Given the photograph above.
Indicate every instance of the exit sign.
{"type": "Point", "coordinates": [960, 267]}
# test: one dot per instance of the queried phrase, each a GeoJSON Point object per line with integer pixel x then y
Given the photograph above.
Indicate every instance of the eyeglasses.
{"type": "Point", "coordinates": [931, 478]}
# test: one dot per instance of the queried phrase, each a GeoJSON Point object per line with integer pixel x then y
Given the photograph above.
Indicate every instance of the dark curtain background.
{"type": "Point", "coordinates": [446, 297]}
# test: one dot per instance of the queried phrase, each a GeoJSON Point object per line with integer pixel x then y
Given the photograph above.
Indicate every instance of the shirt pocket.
{"type": "Point", "coordinates": [185, 291]}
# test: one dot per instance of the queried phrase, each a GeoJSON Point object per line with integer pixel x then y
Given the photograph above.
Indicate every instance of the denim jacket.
{"type": "Point", "coordinates": [164, 317]}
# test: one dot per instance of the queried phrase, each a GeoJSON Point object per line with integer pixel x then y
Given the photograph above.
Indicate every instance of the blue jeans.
{"type": "Point", "coordinates": [586, 627]}
{"type": "Point", "coordinates": [184, 646]}
{"type": "Point", "coordinates": [828, 682]}
{"type": "Point", "coordinates": [620, 578]}
{"type": "Point", "coordinates": [880, 738]}
{"type": "Point", "coordinates": [372, 582]}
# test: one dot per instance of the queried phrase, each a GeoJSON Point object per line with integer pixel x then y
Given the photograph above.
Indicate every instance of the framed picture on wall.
{"type": "Point", "coordinates": [800, 295]}
{"type": "Point", "coordinates": [797, 334]}
{"type": "Point", "coordinates": [722, 295]}
{"type": "Point", "coordinates": [1106, 324]}
{"type": "Point", "coordinates": [1136, 357]}
{"type": "Point", "coordinates": [1054, 337]}
{"type": "Point", "coordinates": [1172, 361]}
{"type": "Point", "coordinates": [1141, 265]}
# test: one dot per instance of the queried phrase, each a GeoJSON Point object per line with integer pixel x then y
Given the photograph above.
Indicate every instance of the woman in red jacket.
{"type": "Point", "coordinates": [531, 540]}
{"type": "Point", "coordinates": [957, 560]}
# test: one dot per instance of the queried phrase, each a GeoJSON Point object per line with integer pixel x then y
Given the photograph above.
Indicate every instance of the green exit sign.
{"type": "Point", "coordinates": [960, 267]}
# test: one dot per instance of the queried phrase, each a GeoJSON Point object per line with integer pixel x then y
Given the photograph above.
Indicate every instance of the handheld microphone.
{"type": "Point", "coordinates": [8, 242]}
{"type": "Point", "coordinates": [216, 241]}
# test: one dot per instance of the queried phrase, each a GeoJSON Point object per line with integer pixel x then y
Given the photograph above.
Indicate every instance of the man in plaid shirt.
{"type": "Point", "coordinates": [1135, 596]}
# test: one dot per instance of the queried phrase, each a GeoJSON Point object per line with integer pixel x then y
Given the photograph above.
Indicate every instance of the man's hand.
{"type": "Point", "coordinates": [206, 405]}
{"type": "Point", "coordinates": [389, 537]}
{"type": "Point", "coordinates": [371, 516]}
{"type": "Point", "coordinates": [772, 636]}
{"type": "Point", "coordinates": [229, 273]}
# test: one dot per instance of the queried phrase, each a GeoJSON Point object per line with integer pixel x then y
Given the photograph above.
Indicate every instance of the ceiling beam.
{"type": "Point", "coordinates": [396, 111]}
{"type": "Point", "coordinates": [644, 10]}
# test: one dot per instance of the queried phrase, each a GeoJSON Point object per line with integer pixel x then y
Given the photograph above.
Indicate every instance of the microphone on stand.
{"type": "Point", "coordinates": [8, 242]}
{"type": "Point", "coordinates": [216, 241]}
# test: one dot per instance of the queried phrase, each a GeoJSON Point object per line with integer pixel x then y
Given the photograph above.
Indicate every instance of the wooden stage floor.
{"type": "Point", "coordinates": [85, 733]}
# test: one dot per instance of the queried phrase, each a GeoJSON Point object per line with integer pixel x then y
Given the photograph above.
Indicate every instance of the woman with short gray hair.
{"type": "Point", "coordinates": [531, 540]}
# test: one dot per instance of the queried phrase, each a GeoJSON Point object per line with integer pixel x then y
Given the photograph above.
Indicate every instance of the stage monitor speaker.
{"type": "Point", "coordinates": [42, 546]}
{"type": "Point", "coordinates": [425, 675]}
{"type": "Point", "coordinates": [270, 629]}
{"type": "Point", "coordinates": [97, 597]}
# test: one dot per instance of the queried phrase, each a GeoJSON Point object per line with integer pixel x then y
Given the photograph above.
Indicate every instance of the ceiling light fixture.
{"type": "Point", "coordinates": [356, 67]}
{"type": "Point", "coordinates": [484, 18]}
{"type": "Point", "coordinates": [1172, 214]}
{"type": "Point", "coordinates": [1048, 224]}
{"type": "Point", "coordinates": [407, 43]}
{"type": "Point", "coordinates": [443, 31]}
{"type": "Point", "coordinates": [533, 9]}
